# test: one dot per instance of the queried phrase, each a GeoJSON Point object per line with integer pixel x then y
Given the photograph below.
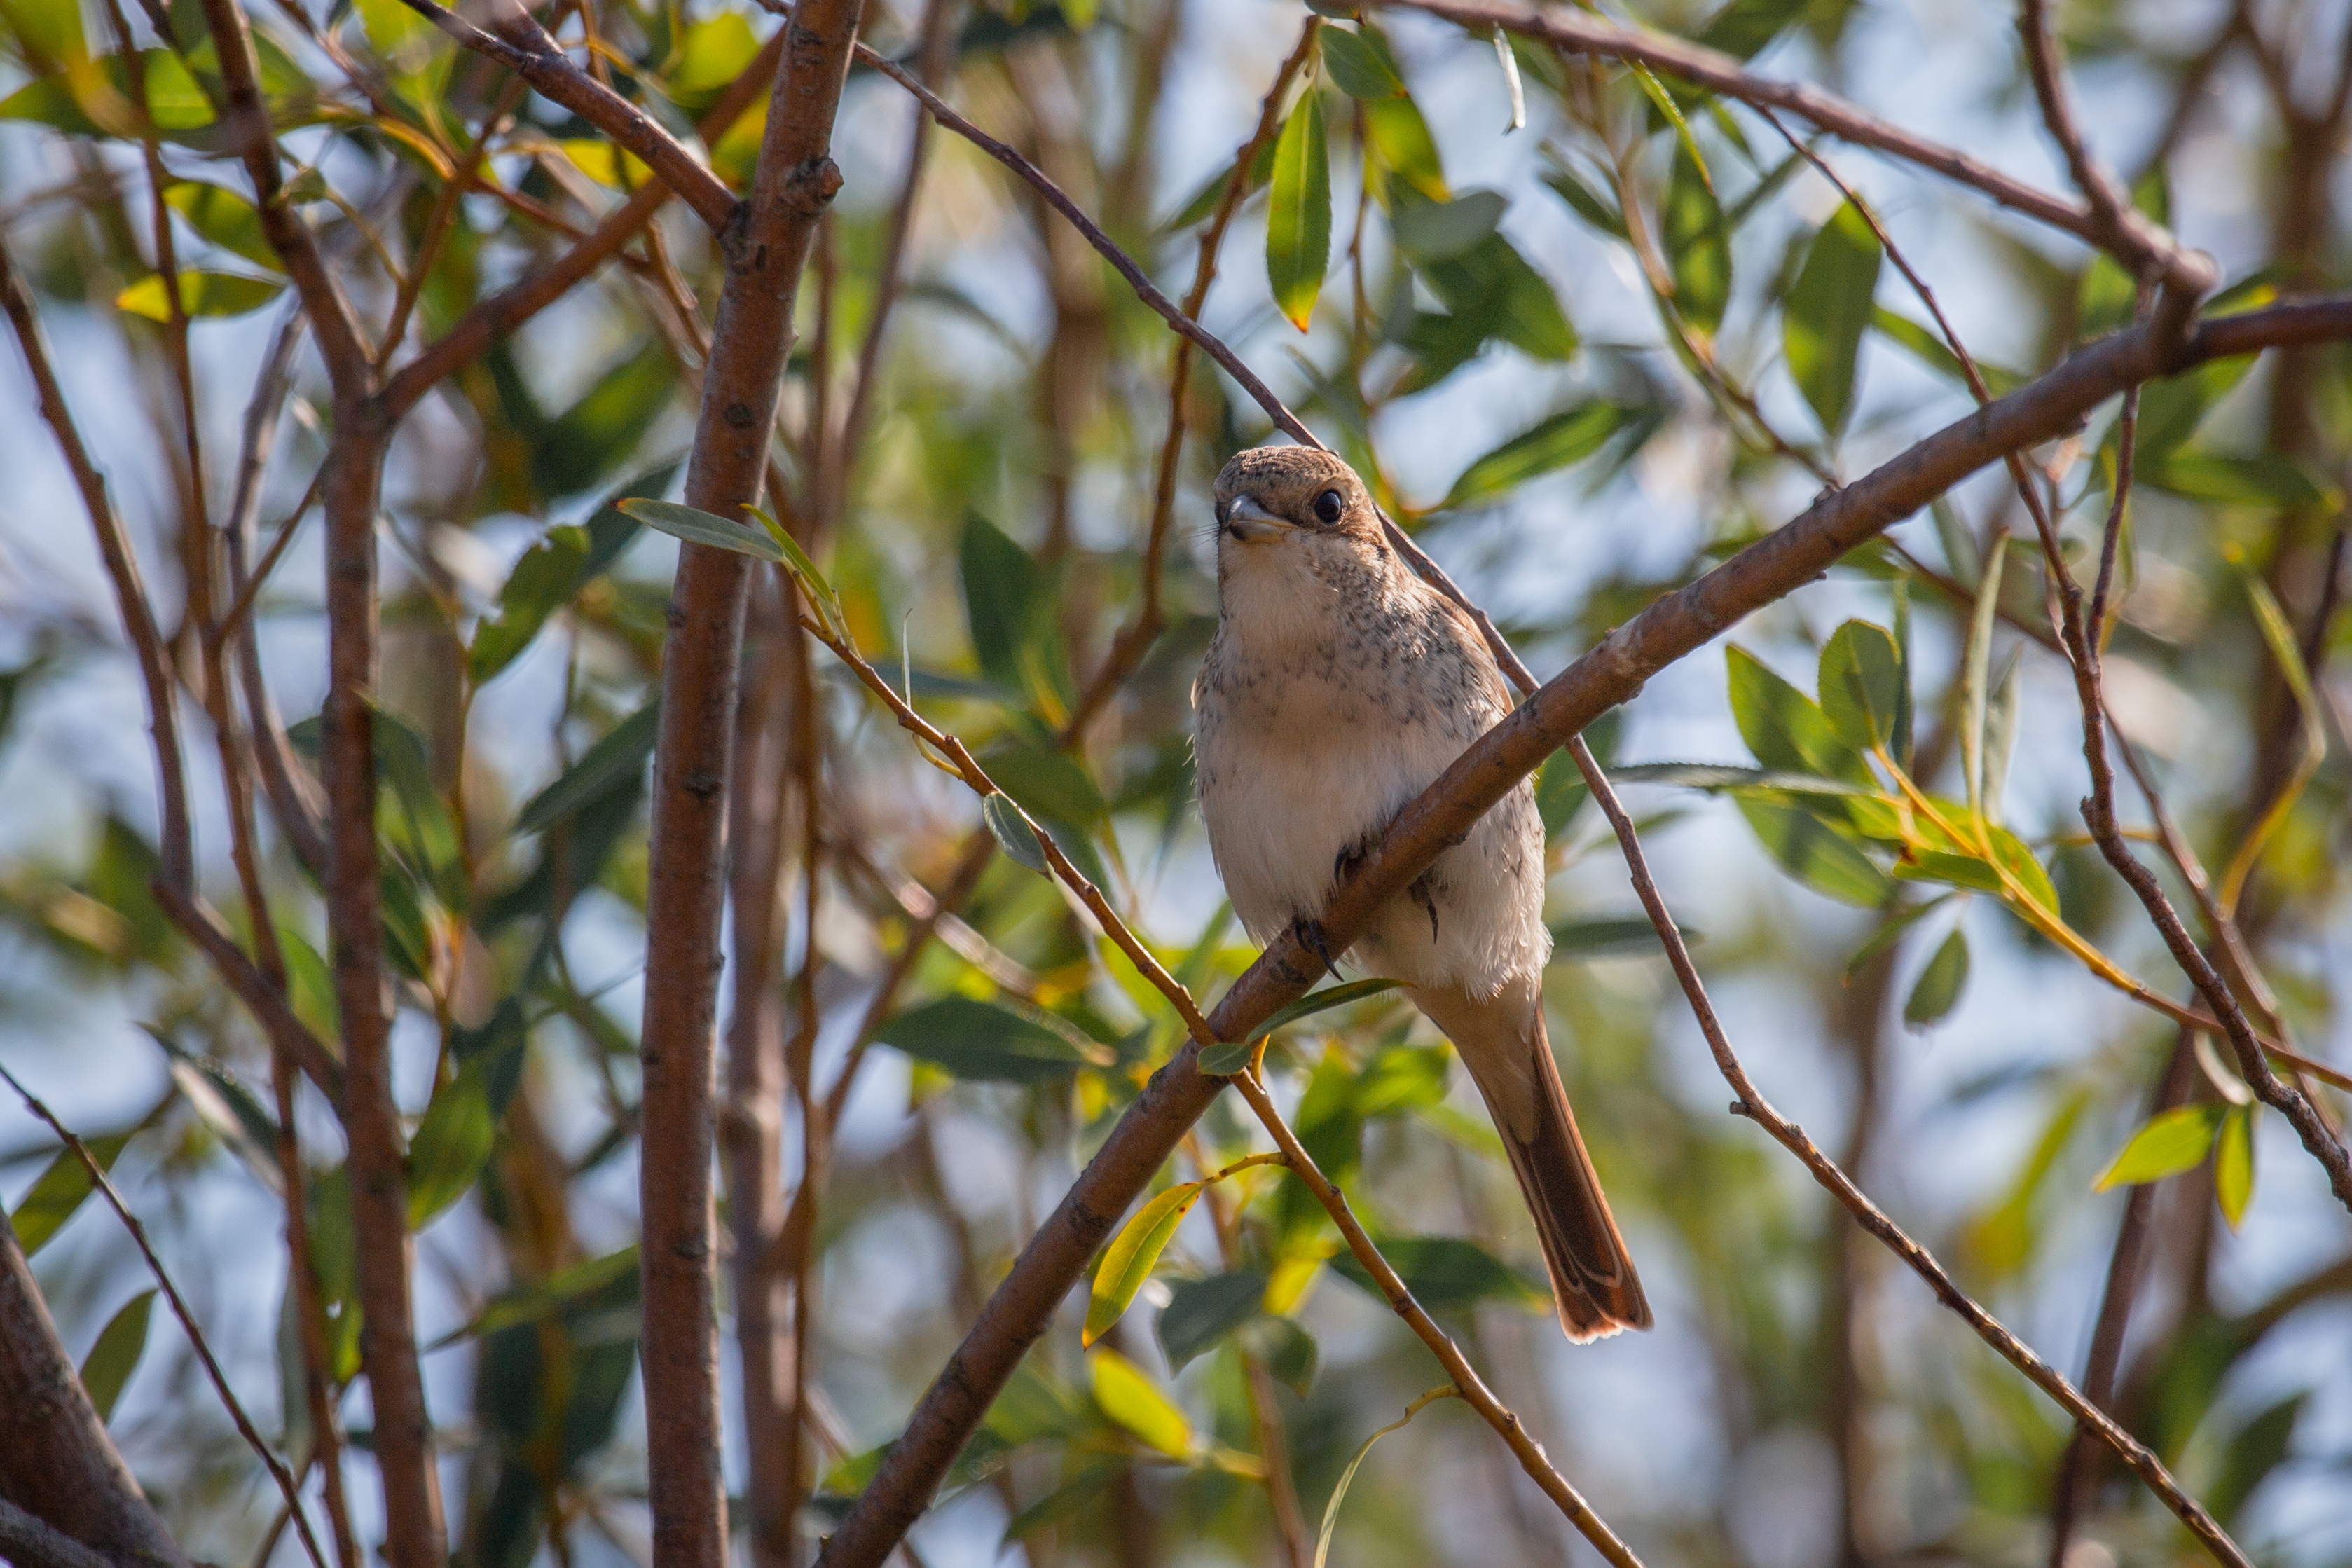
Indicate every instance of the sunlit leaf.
{"type": "Point", "coordinates": [711, 55]}
{"type": "Point", "coordinates": [1785, 730]}
{"type": "Point", "coordinates": [1827, 311]}
{"type": "Point", "coordinates": [2168, 1145]}
{"type": "Point", "coordinates": [1129, 1396]}
{"type": "Point", "coordinates": [1133, 1253]}
{"type": "Point", "coordinates": [1298, 213]}
{"type": "Point", "coordinates": [1401, 139]}
{"type": "Point", "coordinates": [2233, 1163]}
{"type": "Point", "coordinates": [1940, 984]}
{"type": "Point", "coordinates": [224, 218]}
{"type": "Point", "coordinates": [202, 293]}
{"type": "Point", "coordinates": [115, 1356]}
{"type": "Point", "coordinates": [1743, 27]}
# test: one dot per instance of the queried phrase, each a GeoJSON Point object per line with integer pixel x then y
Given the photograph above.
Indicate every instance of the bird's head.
{"type": "Point", "coordinates": [1283, 497]}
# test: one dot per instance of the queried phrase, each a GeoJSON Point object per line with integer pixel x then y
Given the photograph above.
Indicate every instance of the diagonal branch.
{"type": "Point", "coordinates": [1671, 627]}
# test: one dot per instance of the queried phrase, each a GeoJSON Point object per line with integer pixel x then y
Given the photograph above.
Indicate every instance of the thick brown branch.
{"type": "Point", "coordinates": [29, 1542]}
{"type": "Point", "coordinates": [687, 879]}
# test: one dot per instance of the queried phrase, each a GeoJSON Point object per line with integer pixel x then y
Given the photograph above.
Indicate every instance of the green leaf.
{"type": "Point", "coordinates": [1827, 311]}
{"type": "Point", "coordinates": [985, 1041]}
{"type": "Point", "coordinates": [2170, 410]}
{"type": "Point", "coordinates": [1431, 231]}
{"type": "Point", "coordinates": [1718, 776]}
{"type": "Point", "coordinates": [1401, 141]}
{"type": "Point", "coordinates": [1975, 663]}
{"type": "Point", "coordinates": [1009, 608]}
{"type": "Point", "coordinates": [1785, 730]}
{"type": "Point", "coordinates": [2168, 1144]}
{"type": "Point", "coordinates": [2016, 858]}
{"type": "Point", "coordinates": [1938, 986]}
{"type": "Point", "coordinates": [1047, 781]}
{"type": "Point", "coordinates": [1861, 680]}
{"type": "Point", "coordinates": [1698, 245]}
{"type": "Point", "coordinates": [1013, 832]}
{"type": "Point", "coordinates": [2251, 1453]}
{"type": "Point", "coordinates": [59, 1190]}
{"type": "Point", "coordinates": [1090, 1482]}
{"type": "Point", "coordinates": [620, 755]}
{"type": "Point", "coordinates": [202, 293]}
{"type": "Point", "coordinates": [116, 1355]}
{"type": "Point", "coordinates": [1447, 1273]}
{"type": "Point", "coordinates": [1888, 934]}
{"type": "Point", "coordinates": [452, 1144]}
{"type": "Point", "coordinates": [224, 218]}
{"type": "Point", "coordinates": [1339, 1491]}
{"type": "Point", "coordinates": [1742, 29]}
{"type": "Point", "coordinates": [589, 439]}
{"type": "Point", "coordinates": [1200, 1312]}
{"type": "Point", "coordinates": [1298, 213]}
{"type": "Point", "coordinates": [1593, 207]}
{"type": "Point", "coordinates": [1610, 937]}
{"type": "Point", "coordinates": [1491, 288]}
{"type": "Point", "coordinates": [1129, 1397]}
{"type": "Point", "coordinates": [2233, 1163]}
{"type": "Point", "coordinates": [696, 526]}
{"type": "Point", "coordinates": [710, 56]}
{"type": "Point", "coordinates": [1321, 1001]}
{"type": "Point", "coordinates": [1817, 853]}
{"type": "Point", "coordinates": [2001, 734]}
{"type": "Point", "coordinates": [1357, 68]}
{"type": "Point", "coordinates": [1133, 1253]}
{"type": "Point", "coordinates": [1568, 436]}
{"type": "Point", "coordinates": [2270, 480]}
{"type": "Point", "coordinates": [536, 1302]}
{"type": "Point", "coordinates": [542, 582]}
{"type": "Point", "coordinates": [1402, 1077]}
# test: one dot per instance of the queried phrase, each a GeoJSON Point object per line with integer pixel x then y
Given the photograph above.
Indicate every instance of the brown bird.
{"type": "Point", "coordinates": [1339, 687]}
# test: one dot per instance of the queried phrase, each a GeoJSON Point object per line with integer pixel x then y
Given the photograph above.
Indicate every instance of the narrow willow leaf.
{"type": "Point", "coordinates": [1298, 214]}
{"type": "Point", "coordinates": [1401, 137]}
{"type": "Point", "coordinates": [1133, 1253]}
{"type": "Point", "coordinates": [2233, 1163]}
{"type": "Point", "coordinates": [1816, 853]}
{"type": "Point", "coordinates": [1888, 934]}
{"type": "Point", "coordinates": [1339, 1492]}
{"type": "Point", "coordinates": [1938, 986]}
{"type": "Point", "coordinates": [225, 218]}
{"type": "Point", "coordinates": [536, 1302]}
{"type": "Point", "coordinates": [1288, 1350]}
{"type": "Point", "coordinates": [698, 527]}
{"type": "Point", "coordinates": [2168, 1144]}
{"type": "Point", "coordinates": [1357, 68]}
{"type": "Point", "coordinates": [2001, 732]}
{"type": "Point", "coordinates": [1200, 1312]}
{"type": "Point", "coordinates": [1433, 231]}
{"type": "Point", "coordinates": [1129, 1397]}
{"type": "Point", "coordinates": [1929, 349]}
{"type": "Point", "coordinates": [1827, 312]}
{"type": "Point", "coordinates": [1975, 662]}
{"type": "Point", "coordinates": [1511, 80]}
{"type": "Point", "coordinates": [59, 1190]}
{"type": "Point", "coordinates": [1698, 244]}
{"type": "Point", "coordinates": [451, 1146]}
{"type": "Point", "coordinates": [619, 755]}
{"type": "Point", "coordinates": [1610, 937]}
{"type": "Point", "coordinates": [116, 1355]}
{"type": "Point", "coordinates": [1861, 682]}
{"type": "Point", "coordinates": [1321, 1001]}
{"type": "Point", "coordinates": [1568, 436]}
{"type": "Point", "coordinates": [2016, 858]}
{"type": "Point", "coordinates": [1013, 832]}
{"type": "Point", "coordinates": [991, 1042]}
{"type": "Point", "coordinates": [1785, 730]}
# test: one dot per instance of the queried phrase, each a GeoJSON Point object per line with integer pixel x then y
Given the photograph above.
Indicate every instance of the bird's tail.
{"type": "Point", "coordinates": [1502, 1042]}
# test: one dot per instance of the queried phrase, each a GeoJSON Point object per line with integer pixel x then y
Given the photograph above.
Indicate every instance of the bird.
{"type": "Point", "coordinates": [1337, 688]}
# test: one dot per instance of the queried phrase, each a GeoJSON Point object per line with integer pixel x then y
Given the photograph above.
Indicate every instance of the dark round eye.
{"type": "Point", "coordinates": [1328, 506]}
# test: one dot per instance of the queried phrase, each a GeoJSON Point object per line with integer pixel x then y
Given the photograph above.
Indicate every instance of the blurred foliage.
{"type": "Point", "coordinates": [1653, 321]}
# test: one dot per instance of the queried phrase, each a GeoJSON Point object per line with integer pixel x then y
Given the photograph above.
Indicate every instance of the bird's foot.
{"type": "Point", "coordinates": [1309, 932]}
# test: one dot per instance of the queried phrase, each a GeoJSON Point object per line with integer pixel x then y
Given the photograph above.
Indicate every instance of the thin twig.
{"type": "Point", "coordinates": [245, 1427]}
{"type": "Point", "coordinates": [1752, 1104]}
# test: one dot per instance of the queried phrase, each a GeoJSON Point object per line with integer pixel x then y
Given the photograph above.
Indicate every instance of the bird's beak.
{"type": "Point", "coordinates": [1246, 521]}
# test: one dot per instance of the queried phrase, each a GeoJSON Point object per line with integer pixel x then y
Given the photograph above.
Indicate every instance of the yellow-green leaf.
{"type": "Point", "coordinates": [224, 218]}
{"type": "Point", "coordinates": [1129, 1258]}
{"type": "Point", "coordinates": [1298, 214]}
{"type": "Point", "coordinates": [607, 164]}
{"type": "Point", "coordinates": [1401, 138]}
{"type": "Point", "coordinates": [1129, 1396]}
{"type": "Point", "coordinates": [201, 294]}
{"type": "Point", "coordinates": [2233, 1163]}
{"type": "Point", "coordinates": [2168, 1144]}
{"type": "Point", "coordinates": [1698, 244]}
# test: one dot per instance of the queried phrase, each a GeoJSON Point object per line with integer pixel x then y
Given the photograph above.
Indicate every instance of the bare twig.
{"type": "Point", "coordinates": [1752, 1104]}
{"type": "Point", "coordinates": [228, 1399]}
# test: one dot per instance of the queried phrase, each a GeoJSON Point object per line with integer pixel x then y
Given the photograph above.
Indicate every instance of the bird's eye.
{"type": "Point", "coordinates": [1328, 506]}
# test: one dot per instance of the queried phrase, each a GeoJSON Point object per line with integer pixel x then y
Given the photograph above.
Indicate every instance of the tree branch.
{"type": "Point", "coordinates": [1671, 627]}
{"type": "Point", "coordinates": [29, 1542]}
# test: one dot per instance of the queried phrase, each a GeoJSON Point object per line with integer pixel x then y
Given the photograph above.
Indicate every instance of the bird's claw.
{"type": "Point", "coordinates": [1310, 937]}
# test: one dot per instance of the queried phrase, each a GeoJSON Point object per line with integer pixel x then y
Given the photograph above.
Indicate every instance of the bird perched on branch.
{"type": "Point", "coordinates": [1339, 687]}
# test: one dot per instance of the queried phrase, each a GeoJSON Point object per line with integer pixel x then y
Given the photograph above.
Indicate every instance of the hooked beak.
{"type": "Point", "coordinates": [1246, 521]}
